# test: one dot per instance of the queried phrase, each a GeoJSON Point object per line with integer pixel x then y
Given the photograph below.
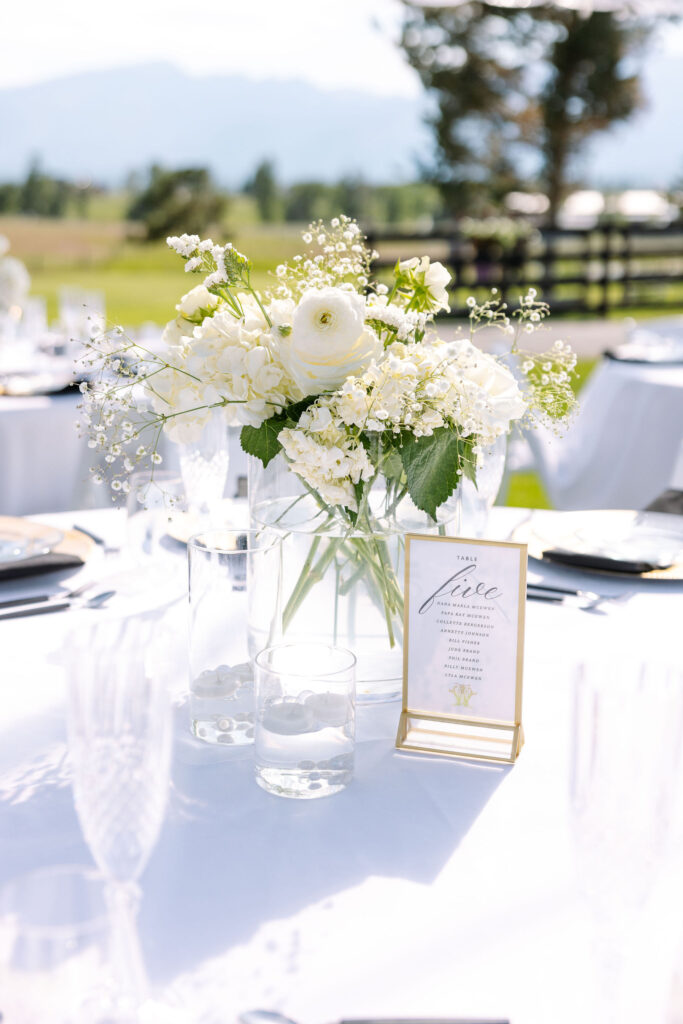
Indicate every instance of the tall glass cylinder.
{"type": "Point", "coordinates": [235, 611]}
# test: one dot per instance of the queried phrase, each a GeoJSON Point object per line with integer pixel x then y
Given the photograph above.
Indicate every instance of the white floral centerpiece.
{"type": "Point", "coordinates": [15, 282]}
{"type": "Point", "coordinates": [343, 383]}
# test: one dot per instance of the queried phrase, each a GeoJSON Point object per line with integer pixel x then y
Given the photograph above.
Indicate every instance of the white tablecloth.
{"type": "Point", "coordinates": [429, 887]}
{"type": "Point", "coordinates": [43, 462]}
{"type": "Point", "coordinates": [621, 450]}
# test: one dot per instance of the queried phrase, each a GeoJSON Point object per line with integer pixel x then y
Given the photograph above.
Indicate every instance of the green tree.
{"type": "Point", "coordinates": [10, 198]}
{"type": "Point", "coordinates": [178, 201]}
{"type": "Point", "coordinates": [309, 200]}
{"type": "Point", "coordinates": [472, 59]}
{"type": "Point", "coordinates": [43, 195]}
{"type": "Point", "coordinates": [264, 188]}
{"type": "Point", "coordinates": [589, 88]}
{"type": "Point", "coordinates": [353, 197]}
{"type": "Point", "coordinates": [509, 83]}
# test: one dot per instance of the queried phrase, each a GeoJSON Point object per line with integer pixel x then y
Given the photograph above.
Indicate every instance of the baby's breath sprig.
{"type": "Point", "coordinates": [492, 313]}
{"type": "Point", "coordinates": [336, 257]}
{"type": "Point", "coordinates": [109, 413]}
{"type": "Point", "coordinates": [549, 382]}
{"type": "Point", "coordinates": [548, 375]}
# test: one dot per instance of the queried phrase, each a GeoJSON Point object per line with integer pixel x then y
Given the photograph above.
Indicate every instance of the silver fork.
{"type": "Point", "coordinates": [49, 598]}
{"type": "Point", "coordinates": [45, 607]}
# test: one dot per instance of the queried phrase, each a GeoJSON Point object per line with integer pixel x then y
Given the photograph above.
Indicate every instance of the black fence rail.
{"type": "Point", "coordinates": [588, 271]}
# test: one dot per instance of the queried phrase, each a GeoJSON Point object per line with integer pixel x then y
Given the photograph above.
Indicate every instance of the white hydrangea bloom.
{"type": "Point", "coordinates": [326, 456]}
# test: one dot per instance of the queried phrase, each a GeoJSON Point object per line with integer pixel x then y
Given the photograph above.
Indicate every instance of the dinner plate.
{"type": "Point", "coordinates": [20, 539]}
{"type": "Point", "coordinates": [613, 538]}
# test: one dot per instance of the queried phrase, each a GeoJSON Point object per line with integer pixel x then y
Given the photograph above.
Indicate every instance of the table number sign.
{"type": "Point", "coordinates": [463, 648]}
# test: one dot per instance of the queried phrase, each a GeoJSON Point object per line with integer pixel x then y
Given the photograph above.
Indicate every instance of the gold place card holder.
{"type": "Point", "coordinates": [464, 648]}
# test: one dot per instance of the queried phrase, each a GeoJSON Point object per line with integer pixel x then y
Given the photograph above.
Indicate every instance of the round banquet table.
{"type": "Point", "coordinates": [621, 449]}
{"type": "Point", "coordinates": [430, 887]}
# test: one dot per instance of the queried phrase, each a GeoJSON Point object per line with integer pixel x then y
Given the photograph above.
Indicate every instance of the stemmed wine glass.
{"type": "Point", "coordinates": [120, 745]}
{"type": "Point", "coordinates": [204, 466]}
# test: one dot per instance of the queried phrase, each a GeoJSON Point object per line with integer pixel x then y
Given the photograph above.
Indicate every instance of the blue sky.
{"type": "Point", "coordinates": [333, 43]}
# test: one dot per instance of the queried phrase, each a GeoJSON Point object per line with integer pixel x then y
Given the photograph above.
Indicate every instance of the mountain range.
{"type": "Point", "coordinates": [103, 124]}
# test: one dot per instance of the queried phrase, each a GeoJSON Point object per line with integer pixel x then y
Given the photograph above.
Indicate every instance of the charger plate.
{"type": "Point", "coordinates": [20, 539]}
{"type": "Point", "coordinates": [28, 548]}
{"type": "Point", "coordinates": [618, 533]}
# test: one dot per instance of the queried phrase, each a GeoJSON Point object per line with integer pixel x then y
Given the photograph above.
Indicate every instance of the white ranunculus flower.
{"type": "Point", "coordinates": [196, 299]}
{"type": "Point", "coordinates": [432, 276]}
{"type": "Point", "coordinates": [329, 340]}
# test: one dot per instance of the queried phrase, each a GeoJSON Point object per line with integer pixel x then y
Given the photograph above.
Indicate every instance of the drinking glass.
{"type": "Point", "coordinates": [120, 746]}
{"type": "Point", "coordinates": [81, 313]}
{"type": "Point", "coordinates": [54, 946]}
{"type": "Point", "coordinates": [625, 765]}
{"type": "Point", "coordinates": [305, 719]}
{"type": "Point", "coordinates": [234, 612]}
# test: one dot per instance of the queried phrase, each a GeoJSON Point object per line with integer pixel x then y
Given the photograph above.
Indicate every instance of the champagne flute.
{"type": "Point", "coordinates": [120, 745]}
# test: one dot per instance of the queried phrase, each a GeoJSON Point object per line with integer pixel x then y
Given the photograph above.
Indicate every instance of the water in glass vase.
{"type": "Point", "coordinates": [305, 748]}
{"type": "Point", "coordinates": [342, 584]}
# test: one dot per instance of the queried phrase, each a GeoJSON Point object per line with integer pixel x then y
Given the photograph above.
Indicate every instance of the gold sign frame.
{"type": "Point", "coordinates": [469, 738]}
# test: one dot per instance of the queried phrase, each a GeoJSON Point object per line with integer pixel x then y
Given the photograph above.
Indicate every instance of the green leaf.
{"type": "Point", "coordinates": [433, 466]}
{"type": "Point", "coordinates": [469, 463]}
{"type": "Point", "coordinates": [264, 442]}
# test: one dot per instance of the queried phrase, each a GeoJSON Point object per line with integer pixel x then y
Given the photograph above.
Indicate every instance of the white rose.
{"type": "Point", "coordinates": [329, 340]}
{"type": "Point", "coordinates": [504, 400]}
{"type": "Point", "coordinates": [196, 299]}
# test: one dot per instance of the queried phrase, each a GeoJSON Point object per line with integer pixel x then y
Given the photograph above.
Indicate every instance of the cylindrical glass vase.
{"type": "Point", "coordinates": [342, 584]}
{"type": "Point", "coordinates": [234, 608]}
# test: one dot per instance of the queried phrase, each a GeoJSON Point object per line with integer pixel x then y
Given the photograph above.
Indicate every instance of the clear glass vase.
{"type": "Point", "coordinates": [342, 583]}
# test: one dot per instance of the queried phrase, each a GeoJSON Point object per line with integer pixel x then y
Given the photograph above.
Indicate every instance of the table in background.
{"type": "Point", "coordinates": [621, 449]}
{"type": "Point", "coordinates": [42, 459]}
{"type": "Point", "coordinates": [429, 887]}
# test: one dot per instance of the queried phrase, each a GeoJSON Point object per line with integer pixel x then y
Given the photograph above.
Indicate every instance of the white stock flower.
{"type": "Point", "coordinates": [433, 277]}
{"type": "Point", "coordinates": [329, 339]}
{"type": "Point", "coordinates": [196, 299]}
